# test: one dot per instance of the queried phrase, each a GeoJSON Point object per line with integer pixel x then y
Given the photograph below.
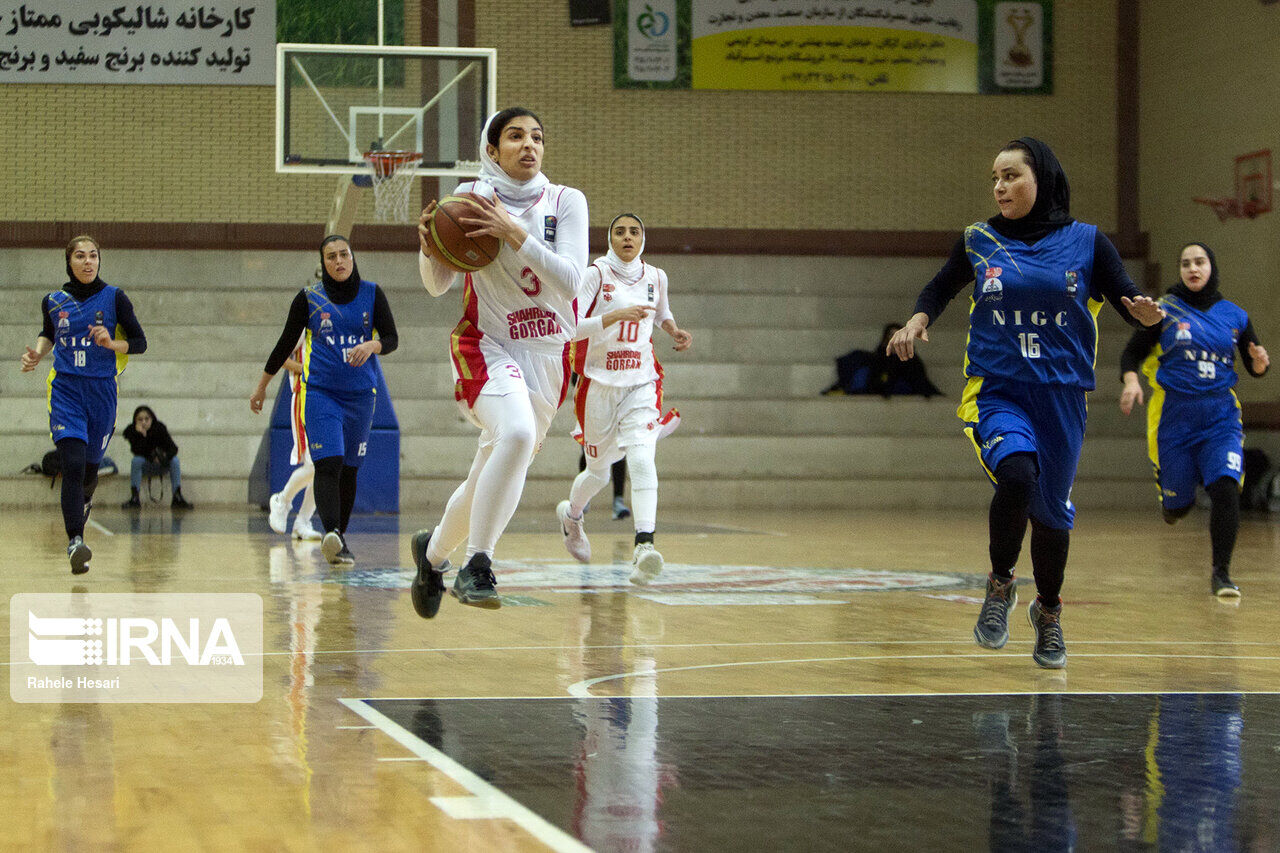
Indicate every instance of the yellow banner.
{"type": "Point", "coordinates": [834, 58]}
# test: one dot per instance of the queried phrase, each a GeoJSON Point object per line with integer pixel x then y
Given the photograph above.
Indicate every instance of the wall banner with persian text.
{"type": "Point", "coordinates": [102, 41]}
{"type": "Point", "coordinates": [972, 46]}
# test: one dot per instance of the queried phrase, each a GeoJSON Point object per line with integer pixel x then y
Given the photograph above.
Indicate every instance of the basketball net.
{"type": "Point", "coordinates": [392, 183]}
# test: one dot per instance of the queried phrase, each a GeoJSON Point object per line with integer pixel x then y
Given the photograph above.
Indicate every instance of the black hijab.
{"type": "Point", "coordinates": [333, 286]}
{"type": "Point", "coordinates": [1205, 296]}
{"type": "Point", "coordinates": [1052, 209]}
{"type": "Point", "coordinates": [78, 289]}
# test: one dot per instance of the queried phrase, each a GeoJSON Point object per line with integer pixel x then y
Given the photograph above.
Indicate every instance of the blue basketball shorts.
{"type": "Point", "coordinates": [337, 423]}
{"type": "Point", "coordinates": [1004, 417]}
{"type": "Point", "coordinates": [82, 407]}
{"type": "Point", "coordinates": [1192, 440]}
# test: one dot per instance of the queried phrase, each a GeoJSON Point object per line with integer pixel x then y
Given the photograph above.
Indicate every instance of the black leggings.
{"type": "Point", "coordinates": [1224, 519]}
{"type": "Point", "coordinates": [1016, 479]}
{"type": "Point", "coordinates": [79, 481]}
{"type": "Point", "coordinates": [335, 492]}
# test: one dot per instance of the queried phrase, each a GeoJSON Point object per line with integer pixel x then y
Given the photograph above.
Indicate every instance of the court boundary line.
{"type": "Point", "coordinates": [582, 689]}
{"type": "Point", "coordinates": [98, 527]}
{"type": "Point", "coordinates": [800, 643]}
{"type": "Point", "coordinates": [512, 809]}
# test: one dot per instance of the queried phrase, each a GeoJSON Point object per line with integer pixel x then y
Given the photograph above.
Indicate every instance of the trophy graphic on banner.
{"type": "Point", "coordinates": [1020, 20]}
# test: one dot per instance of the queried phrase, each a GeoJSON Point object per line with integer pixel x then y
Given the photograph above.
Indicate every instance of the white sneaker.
{"type": "Point", "coordinates": [278, 514]}
{"type": "Point", "coordinates": [575, 538]}
{"type": "Point", "coordinates": [648, 564]}
{"type": "Point", "coordinates": [304, 531]}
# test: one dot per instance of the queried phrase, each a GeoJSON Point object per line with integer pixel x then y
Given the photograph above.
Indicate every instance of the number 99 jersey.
{"type": "Point", "coordinates": [1196, 354]}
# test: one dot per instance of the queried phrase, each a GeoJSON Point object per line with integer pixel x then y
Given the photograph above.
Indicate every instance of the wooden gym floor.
{"type": "Point", "coordinates": [800, 681]}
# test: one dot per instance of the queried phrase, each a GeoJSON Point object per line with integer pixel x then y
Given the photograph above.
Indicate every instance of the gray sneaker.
{"type": "Point", "coordinates": [335, 550]}
{"type": "Point", "coordinates": [475, 584]}
{"type": "Point", "coordinates": [1051, 650]}
{"type": "Point", "coordinates": [992, 630]}
{"type": "Point", "coordinates": [79, 555]}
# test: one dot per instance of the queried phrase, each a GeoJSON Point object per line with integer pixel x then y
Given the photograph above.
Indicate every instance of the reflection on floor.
{"type": "Point", "coordinates": [796, 681]}
{"type": "Point", "coordinates": [1005, 773]}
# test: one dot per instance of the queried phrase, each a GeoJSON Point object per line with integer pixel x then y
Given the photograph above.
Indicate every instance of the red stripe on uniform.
{"type": "Point", "coordinates": [566, 367]}
{"type": "Point", "coordinates": [580, 404]}
{"type": "Point", "coordinates": [657, 365]}
{"type": "Point", "coordinates": [464, 349]}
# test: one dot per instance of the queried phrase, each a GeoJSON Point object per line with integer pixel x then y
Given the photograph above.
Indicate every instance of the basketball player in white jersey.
{"type": "Point", "coordinates": [510, 351]}
{"type": "Point", "coordinates": [304, 473]}
{"type": "Point", "coordinates": [619, 398]}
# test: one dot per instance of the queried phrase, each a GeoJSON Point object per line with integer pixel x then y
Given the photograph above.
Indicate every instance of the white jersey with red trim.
{"type": "Point", "coordinates": [529, 298]}
{"type": "Point", "coordinates": [622, 355]}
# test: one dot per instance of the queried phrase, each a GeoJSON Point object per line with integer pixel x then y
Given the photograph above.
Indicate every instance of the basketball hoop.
{"type": "Point", "coordinates": [1226, 208]}
{"type": "Point", "coordinates": [392, 181]}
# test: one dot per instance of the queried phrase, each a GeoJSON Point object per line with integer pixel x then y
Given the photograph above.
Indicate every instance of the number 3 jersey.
{"type": "Point", "coordinates": [622, 355]}
{"type": "Point", "coordinates": [1034, 315]}
{"type": "Point", "coordinates": [1196, 352]}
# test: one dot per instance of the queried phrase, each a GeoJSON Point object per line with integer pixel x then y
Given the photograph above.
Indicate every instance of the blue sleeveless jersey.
{"type": "Point", "coordinates": [1197, 349]}
{"type": "Point", "coordinates": [74, 352]}
{"type": "Point", "coordinates": [332, 331]}
{"type": "Point", "coordinates": [1033, 317]}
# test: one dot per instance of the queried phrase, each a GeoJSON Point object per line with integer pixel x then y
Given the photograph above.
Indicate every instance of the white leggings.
{"type": "Point", "coordinates": [481, 507]}
{"type": "Point", "coordinates": [644, 485]}
{"type": "Point", "coordinates": [302, 478]}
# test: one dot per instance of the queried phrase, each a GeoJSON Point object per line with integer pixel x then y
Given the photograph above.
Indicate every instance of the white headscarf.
{"type": "Point", "coordinates": [612, 261]}
{"type": "Point", "coordinates": [508, 188]}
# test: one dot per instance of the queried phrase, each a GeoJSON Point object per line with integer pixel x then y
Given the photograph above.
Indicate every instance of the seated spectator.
{"type": "Point", "coordinates": [154, 453]}
{"type": "Point", "coordinates": [862, 372]}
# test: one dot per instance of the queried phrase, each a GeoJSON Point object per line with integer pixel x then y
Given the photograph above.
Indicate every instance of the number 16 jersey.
{"type": "Point", "coordinates": [1034, 315]}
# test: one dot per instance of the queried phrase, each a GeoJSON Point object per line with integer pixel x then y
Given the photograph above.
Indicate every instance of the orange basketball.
{"type": "Point", "coordinates": [449, 235]}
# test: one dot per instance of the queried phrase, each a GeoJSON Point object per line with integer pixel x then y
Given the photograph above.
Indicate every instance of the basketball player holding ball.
{"type": "Point", "coordinates": [510, 350]}
{"type": "Point", "coordinates": [619, 398]}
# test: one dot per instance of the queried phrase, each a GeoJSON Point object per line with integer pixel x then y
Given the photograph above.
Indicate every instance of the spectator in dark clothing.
{"type": "Point", "coordinates": [154, 453]}
{"type": "Point", "coordinates": [862, 372]}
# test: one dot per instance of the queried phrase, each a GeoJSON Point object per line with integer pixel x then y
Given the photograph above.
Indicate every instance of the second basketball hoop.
{"type": "Point", "coordinates": [393, 173]}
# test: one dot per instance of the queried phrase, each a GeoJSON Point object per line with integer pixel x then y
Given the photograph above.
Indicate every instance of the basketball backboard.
{"type": "Point", "coordinates": [1253, 182]}
{"type": "Point", "coordinates": [335, 103]}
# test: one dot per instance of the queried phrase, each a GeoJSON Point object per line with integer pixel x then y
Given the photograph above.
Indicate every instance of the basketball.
{"type": "Point", "coordinates": [449, 235]}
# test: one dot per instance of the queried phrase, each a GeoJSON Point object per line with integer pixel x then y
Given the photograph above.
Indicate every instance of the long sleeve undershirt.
{"type": "Point", "coordinates": [296, 323]}
{"type": "Point", "coordinates": [1144, 340]}
{"type": "Point", "coordinates": [125, 318]}
{"type": "Point", "coordinates": [1108, 278]}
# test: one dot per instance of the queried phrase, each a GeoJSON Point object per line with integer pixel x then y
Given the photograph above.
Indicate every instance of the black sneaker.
{"type": "Point", "coordinates": [476, 585]}
{"type": "Point", "coordinates": [132, 503]}
{"type": "Point", "coordinates": [1050, 651]}
{"type": "Point", "coordinates": [992, 630]}
{"type": "Point", "coordinates": [427, 590]}
{"type": "Point", "coordinates": [335, 550]}
{"type": "Point", "coordinates": [1222, 585]}
{"type": "Point", "coordinates": [79, 555]}
{"type": "Point", "coordinates": [179, 502]}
